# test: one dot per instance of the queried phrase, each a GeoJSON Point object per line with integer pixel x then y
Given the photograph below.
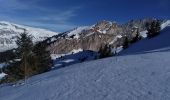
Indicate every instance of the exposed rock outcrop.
{"type": "Point", "coordinates": [92, 37]}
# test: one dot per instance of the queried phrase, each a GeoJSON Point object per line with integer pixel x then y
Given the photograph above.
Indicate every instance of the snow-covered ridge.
{"type": "Point", "coordinates": [76, 32]}
{"type": "Point", "coordinates": [9, 32]}
{"type": "Point", "coordinates": [36, 32]}
{"type": "Point", "coordinates": [165, 24]}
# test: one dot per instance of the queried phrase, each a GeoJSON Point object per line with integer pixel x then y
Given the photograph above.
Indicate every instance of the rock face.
{"type": "Point", "coordinates": [9, 32]}
{"type": "Point", "coordinates": [92, 37]}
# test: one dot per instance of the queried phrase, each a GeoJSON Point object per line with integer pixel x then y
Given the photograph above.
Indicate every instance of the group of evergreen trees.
{"type": "Point", "coordinates": [34, 59]}
{"type": "Point", "coordinates": [105, 51]}
{"type": "Point", "coordinates": [7, 55]}
{"type": "Point", "coordinates": [153, 28]}
{"type": "Point", "coordinates": [128, 42]}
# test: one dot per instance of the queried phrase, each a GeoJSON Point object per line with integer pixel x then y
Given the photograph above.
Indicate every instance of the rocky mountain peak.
{"type": "Point", "coordinates": [92, 37]}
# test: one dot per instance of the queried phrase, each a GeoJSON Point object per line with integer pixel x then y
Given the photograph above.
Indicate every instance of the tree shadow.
{"type": "Point", "coordinates": [67, 60]}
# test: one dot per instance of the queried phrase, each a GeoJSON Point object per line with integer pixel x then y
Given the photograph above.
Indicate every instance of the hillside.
{"type": "Point", "coordinates": [9, 32]}
{"type": "Point", "coordinates": [156, 44]}
{"type": "Point", "coordinates": [138, 76]}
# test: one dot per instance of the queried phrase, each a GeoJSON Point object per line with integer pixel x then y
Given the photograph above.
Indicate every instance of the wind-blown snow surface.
{"type": "Point", "coordinates": [9, 32]}
{"type": "Point", "coordinates": [144, 76]}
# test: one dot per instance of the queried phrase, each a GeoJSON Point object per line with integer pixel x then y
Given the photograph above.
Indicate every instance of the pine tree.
{"type": "Point", "coordinates": [25, 46]}
{"type": "Point", "coordinates": [43, 57]}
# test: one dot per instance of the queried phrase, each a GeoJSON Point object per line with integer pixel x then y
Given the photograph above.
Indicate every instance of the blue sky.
{"type": "Point", "coordinates": [62, 15]}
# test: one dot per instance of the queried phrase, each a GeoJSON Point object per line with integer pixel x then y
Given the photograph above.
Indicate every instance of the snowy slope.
{"type": "Point", "coordinates": [144, 76]}
{"type": "Point", "coordinates": [158, 43]}
{"type": "Point", "coordinates": [165, 24]}
{"type": "Point", "coordinates": [9, 31]}
{"type": "Point", "coordinates": [76, 32]}
{"type": "Point", "coordinates": [135, 77]}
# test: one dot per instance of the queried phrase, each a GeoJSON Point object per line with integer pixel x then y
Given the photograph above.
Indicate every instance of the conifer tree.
{"type": "Point", "coordinates": [126, 43]}
{"type": "Point", "coordinates": [25, 46]}
{"type": "Point", "coordinates": [105, 51]}
{"type": "Point", "coordinates": [43, 57]}
{"type": "Point", "coordinates": [34, 60]}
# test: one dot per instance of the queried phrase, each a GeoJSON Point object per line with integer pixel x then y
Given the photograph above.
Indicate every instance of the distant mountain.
{"type": "Point", "coordinates": [9, 32]}
{"type": "Point", "coordinates": [103, 32]}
